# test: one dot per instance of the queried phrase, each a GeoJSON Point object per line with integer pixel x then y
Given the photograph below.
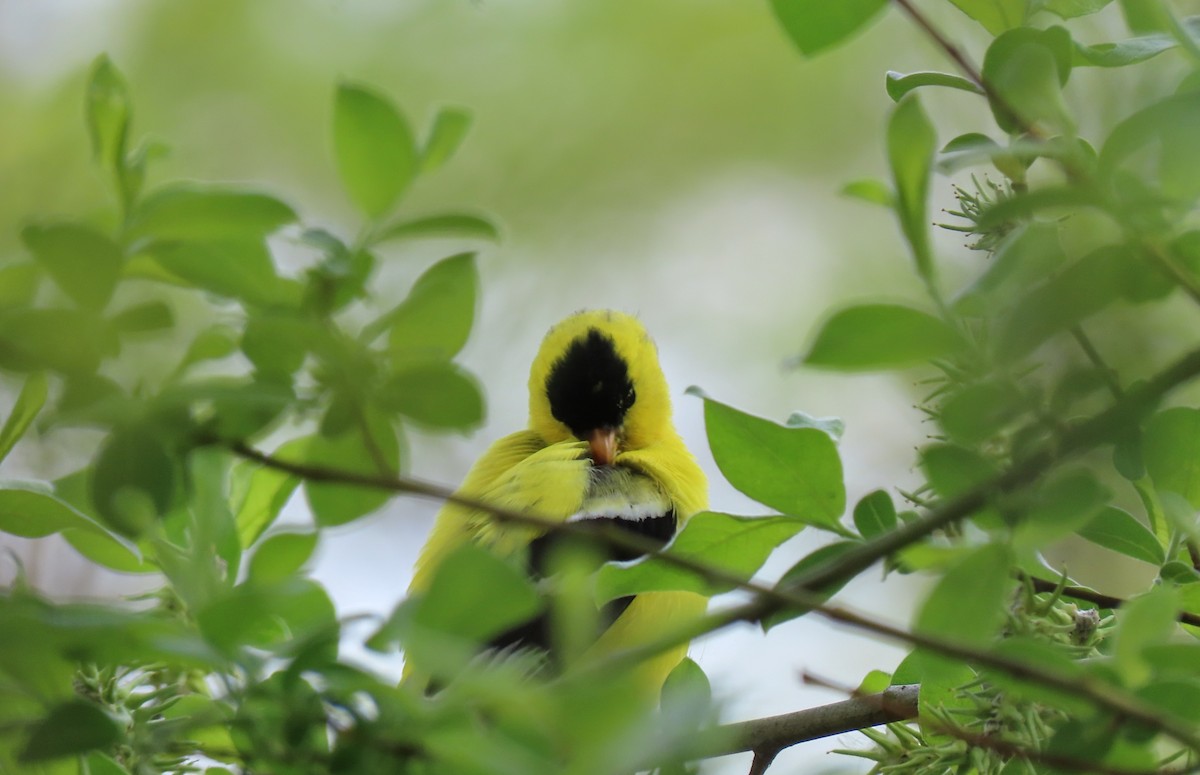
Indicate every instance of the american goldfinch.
{"type": "Point", "coordinates": [600, 447]}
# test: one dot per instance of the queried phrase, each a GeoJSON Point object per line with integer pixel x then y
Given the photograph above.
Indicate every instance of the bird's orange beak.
{"type": "Point", "coordinates": [603, 444]}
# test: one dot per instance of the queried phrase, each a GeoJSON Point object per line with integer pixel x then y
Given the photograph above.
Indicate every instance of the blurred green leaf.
{"type": "Point", "coordinates": [374, 148]}
{"type": "Point", "coordinates": [687, 691]}
{"type": "Point", "coordinates": [872, 191]}
{"type": "Point", "coordinates": [953, 470]}
{"type": "Point", "coordinates": [267, 491]}
{"type": "Point", "coordinates": [1026, 69]}
{"type": "Point", "coordinates": [980, 411]}
{"type": "Point", "coordinates": [34, 514]}
{"type": "Point", "coordinates": [435, 320]}
{"type": "Point", "coordinates": [18, 283]}
{"type": "Point", "coordinates": [472, 597]}
{"type": "Point", "coordinates": [819, 558]}
{"type": "Point", "coordinates": [1039, 201]}
{"type": "Point", "coordinates": [211, 344]}
{"type": "Point", "coordinates": [1173, 123]}
{"type": "Point", "coordinates": [1069, 9]}
{"type": "Point", "coordinates": [1120, 531]}
{"type": "Point", "coordinates": [29, 402]}
{"type": "Point", "coordinates": [133, 480]}
{"type": "Point", "coordinates": [1123, 53]}
{"type": "Point", "coordinates": [968, 603]}
{"type": "Point", "coordinates": [436, 394]}
{"type": "Point", "coordinates": [1068, 501]}
{"type": "Point", "coordinates": [68, 341]}
{"type": "Point", "coordinates": [1078, 292]}
{"type": "Point", "coordinates": [736, 545]}
{"type": "Point", "coordinates": [337, 504]}
{"type": "Point", "coordinates": [1047, 656]}
{"type": "Point", "coordinates": [1170, 447]}
{"type": "Point", "coordinates": [92, 540]}
{"type": "Point", "coordinates": [911, 142]}
{"type": "Point", "coordinates": [899, 84]}
{"type": "Point", "coordinates": [71, 728]}
{"type": "Point", "coordinates": [1175, 696]}
{"type": "Point", "coordinates": [107, 108]}
{"type": "Point", "coordinates": [870, 337]}
{"type": "Point", "coordinates": [875, 514]}
{"type": "Point", "coordinates": [447, 133]}
{"type": "Point", "coordinates": [1147, 620]}
{"type": "Point", "coordinates": [144, 318]}
{"type": "Point", "coordinates": [277, 343]}
{"type": "Point", "coordinates": [101, 764]}
{"type": "Point", "coordinates": [815, 25]}
{"type": "Point", "coordinates": [1027, 255]}
{"type": "Point", "coordinates": [242, 269]}
{"type": "Point", "coordinates": [996, 16]}
{"type": "Point", "coordinates": [448, 225]}
{"type": "Point", "coordinates": [84, 263]}
{"type": "Point", "coordinates": [267, 615]}
{"type": "Point", "coordinates": [795, 470]}
{"type": "Point", "coordinates": [208, 212]}
{"type": "Point", "coordinates": [280, 556]}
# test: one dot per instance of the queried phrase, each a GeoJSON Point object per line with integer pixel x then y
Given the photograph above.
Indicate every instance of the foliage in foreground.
{"type": "Point", "coordinates": [233, 664]}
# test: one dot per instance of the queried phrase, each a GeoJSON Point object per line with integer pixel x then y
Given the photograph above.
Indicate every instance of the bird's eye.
{"type": "Point", "coordinates": [630, 397]}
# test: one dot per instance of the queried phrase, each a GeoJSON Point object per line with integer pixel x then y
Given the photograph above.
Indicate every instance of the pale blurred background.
{"type": "Point", "coordinates": [672, 158]}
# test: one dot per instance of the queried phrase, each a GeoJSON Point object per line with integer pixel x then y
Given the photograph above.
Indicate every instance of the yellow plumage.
{"type": "Point", "coordinates": [600, 444]}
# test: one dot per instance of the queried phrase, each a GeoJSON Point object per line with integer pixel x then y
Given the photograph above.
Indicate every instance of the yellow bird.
{"type": "Point", "coordinates": [600, 447]}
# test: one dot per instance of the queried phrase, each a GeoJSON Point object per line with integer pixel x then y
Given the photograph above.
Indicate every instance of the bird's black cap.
{"type": "Point", "coordinates": [589, 386]}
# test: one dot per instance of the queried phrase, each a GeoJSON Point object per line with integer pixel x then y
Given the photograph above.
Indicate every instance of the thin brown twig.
{"type": "Point", "coordinates": [1092, 596]}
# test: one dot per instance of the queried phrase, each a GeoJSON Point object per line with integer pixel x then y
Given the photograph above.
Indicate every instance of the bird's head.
{"type": "Point", "coordinates": [596, 378]}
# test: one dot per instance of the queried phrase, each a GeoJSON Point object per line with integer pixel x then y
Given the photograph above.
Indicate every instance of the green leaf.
{"type": "Point", "coordinates": [34, 514]}
{"type": "Point", "coordinates": [144, 318]}
{"type": "Point", "coordinates": [1171, 449]}
{"type": "Point", "coordinates": [277, 343]}
{"type": "Point", "coordinates": [980, 411]}
{"type": "Point", "coordinates": [84, 263]}
{"type": "Point", "coordinates": [1120, 531]}
{"type": "Point", "coordinates": [133, 480]}
{"type": "Point", "coordinates": [968, 603]}
{"type": "Point", "coordinates": [687, 692]}
{"type": "Point", "coordinates": [795, 470]}
{"type": "Point", "coordinates": [472, 597]}
{"type": "Point", "coordinates": [436, 318]}
{"type": "Point", "coordinates": [69, 729]}
{"type": "Point", "coordinates": [267, 491]}
{"type": "Point", "coordinates": [1070, 9]}
{"type": "Point", "coordinates": [374, 148]}
{"type": "Point", "coordinates": [280, 556]}
{"type": "Point", "coordinates": [1147, 620]}
{"type": "Point", "coordinates": [911, 142]}
{"type": "Point", "coordinates": [212, 213]}
{"type": "Point", "coordinates": [1123, 53]}
{"type": "Point", "coordinates": [107, 108]}
{"type": "Point", "coordinates": [211, 344]}
{"type": "Point", "coordinates": [736, 545]}
{"type": "Point", "coordinates": [954, 470]}
{"type": "Point", "coordinates": [872, 191]}
{"type": "Point", "coordinates": [1063, 505]}
{"type": "Point", "coordinates": [1170, 124]}
{"type": "Point", "coordinates": [241, 269]}
{"type": "Point", "coordinates": [29, 402]}
{"type": "Point", "coordinates": [435, 394]}
{"type": "Point", "coordinates": [447, 133]}
{"type": "Point", "coordinates": [819, 558]}
{"type": "Point", "coordinates": [875, 514]}
{"type": "Point", "coordinates": [1026, 69]}
{"type": "Point", "coordinates": [337, 504]}
{"type": "Point", "coordinates": [64, 340]}
{"type": "Point", "coordinates": [815, 25]}
{"type": "Point", "coordinates": [899, 84]}
{"type": "Point", "coordinates": [263, 615]}
{"type": "Point", "coordinates": [18, 284]}
{"type": "Point", "coordinates": [457, 225]}
{"type": "Point", "coordinates": [1031, 253]}
{"type": "Point", "coordinates": [1078, 292]}
{"type": "Point", "coordinates": [870, 337]}
{"type": "Point", "coordinates": [996, 16]}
